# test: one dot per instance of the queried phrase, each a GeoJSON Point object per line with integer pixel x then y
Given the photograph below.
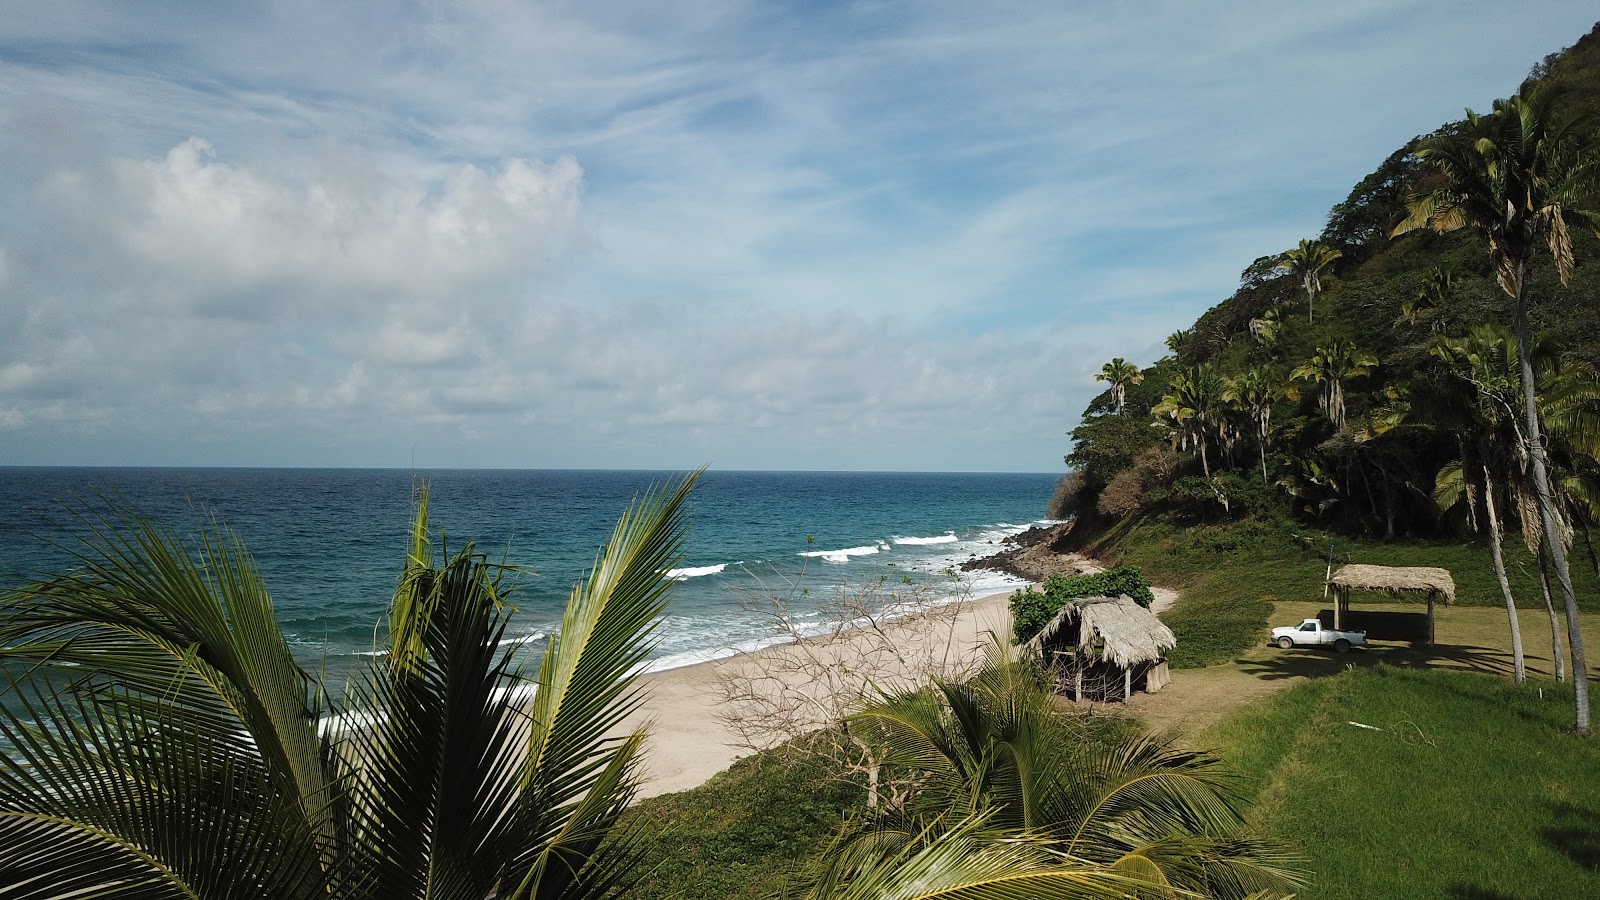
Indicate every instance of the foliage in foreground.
{"type": "Point", "coordinates": [1466, 785]}
{"type": "Point", "coordinates": [167, 744]}
{"type": "Point", "coordinates": [1032, 610]}
{"type": "Point", "coordinates": [996, 760]}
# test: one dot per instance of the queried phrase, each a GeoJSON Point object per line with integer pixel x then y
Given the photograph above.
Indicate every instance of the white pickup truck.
{"type": "Point", "coordinates": [1311, 632]}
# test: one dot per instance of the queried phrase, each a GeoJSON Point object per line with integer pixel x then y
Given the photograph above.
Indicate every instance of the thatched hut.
{"type": "Point", "coordinates": [1394, 580]}
{"type": "Point", "coordinates": [1105, 648]}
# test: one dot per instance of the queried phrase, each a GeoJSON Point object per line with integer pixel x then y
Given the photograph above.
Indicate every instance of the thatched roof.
{"type": "Point", "coordinates": [1396, 580]}
{"type": "Point", "coordinates": [1132, 634]}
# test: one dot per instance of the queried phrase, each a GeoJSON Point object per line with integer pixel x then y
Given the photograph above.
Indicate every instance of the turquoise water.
{"type": "Point", "coordinates": [330, 542]}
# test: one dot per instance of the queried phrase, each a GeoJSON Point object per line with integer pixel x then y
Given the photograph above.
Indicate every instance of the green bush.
{"type": "Point", "coordinates": [1031, 610]}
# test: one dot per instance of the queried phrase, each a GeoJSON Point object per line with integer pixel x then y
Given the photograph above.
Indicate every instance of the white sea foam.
{"type": "Point", "coordinates": [688, 572]}
{"type": "Point", "coordinates": [843, 556]}
{"type": "Point", "coordinates": [920, 541]}
{"type": "Point", "coordinates": [521, 639]}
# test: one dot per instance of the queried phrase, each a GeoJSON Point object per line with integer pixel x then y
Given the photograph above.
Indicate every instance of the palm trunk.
{"type": "Point", "coordinates": [1546, 498]}
{"type": "Point", "coordinates": [1263, 436]}
{"type": "Point", "coordinates": [1518, 664]}
{"type": "Point", "coordinates": [1556, 655]}
{"type": "Point", "coordinates": [1388, 500]}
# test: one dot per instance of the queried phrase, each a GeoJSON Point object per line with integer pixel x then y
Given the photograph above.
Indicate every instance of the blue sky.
{"type": "Point", "coordinates": [891, 236]}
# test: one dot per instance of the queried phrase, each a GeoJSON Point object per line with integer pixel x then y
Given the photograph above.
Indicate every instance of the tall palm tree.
{"type": "Point", "coordinates": [1195, 407]}
{"type": "Point", "coordinates": [1308, 261]}
{"type": "Point", "coordinates": [998, 748]}
{"type": "Point", "coordinates": [1331, 366]}
{"type": "Point", "coordinates": [1120, 373]}
{"type": "Point", "coordinates": [1514, 176]}
{"type": "Point", "coordinates": [1254, 391]}
{"type": "Point", "coordinates": [1485, 359]}
{"type": "Point", "coordinates": [167, 744]}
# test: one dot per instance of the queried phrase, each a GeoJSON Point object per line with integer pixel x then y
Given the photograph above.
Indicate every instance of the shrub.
{"type": "Point", "coordinates": [1031, 609]}
{"type": "Point", "coordinates": [1068, 498]}
{"type": "Point", "coordinates": [1126, 492]}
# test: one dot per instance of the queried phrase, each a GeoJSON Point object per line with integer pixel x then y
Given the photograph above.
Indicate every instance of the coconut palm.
{"type": "Point", "coordinates": [167, 744]}
{"type": "Point", "coordinates": [1514, 176]}
{"type": "Point", "coordinates": [1119, 373]}
{"type": "Point", "coordinates": [1331, 366]}
{"type": "Point", "coordinates": [1308, 261]}
{"type": "Point", "coordinates": [1195, 407]}
{"type": "Point", "coordinates": [1163, 819]}
{"type": "Point", "coordinates": [1254, 391]}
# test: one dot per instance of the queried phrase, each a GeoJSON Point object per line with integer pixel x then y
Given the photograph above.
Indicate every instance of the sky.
{"type": "Point", "coordinates": [892, 236]}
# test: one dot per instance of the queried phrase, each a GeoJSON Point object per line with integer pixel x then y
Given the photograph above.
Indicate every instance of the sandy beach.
{"type": "Point", "coordinates": [702, 718]}
{"type": "Point", "coordinates": [687, 709]}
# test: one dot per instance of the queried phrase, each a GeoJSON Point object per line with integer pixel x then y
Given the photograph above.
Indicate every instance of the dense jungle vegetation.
{"type": "Point", "coordinates": [1427, 368]}
{"type": "Point", "coordinates": [1352, 405]}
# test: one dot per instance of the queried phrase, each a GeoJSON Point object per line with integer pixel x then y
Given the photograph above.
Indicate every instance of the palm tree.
{"type": "Point", "coordinates": [1195, 408]}
{"type": "Point", "coordinates": [1308, 261]}
{"type": "Point", "coordinates": [1120, 373]}
{"type": "Point", "coordinates": [1178, 341]}
{"type": "Point", "coordinates": [998, 748]}
{"type": "Point", "coordinates": [1430, 298]}
{"type": "Point", "coordinates": [1514, 176]}
{"type": "Point", "coordinates": [1265, 329]}
{"type": "Point", "coordinates": [1331, 366]}
{"type": "Point", "coordinates": [1486, 360]}
{"type": "Point", "coordinates": [179, 751]}
{"type": "Point", "coordinates": [1253, 391]}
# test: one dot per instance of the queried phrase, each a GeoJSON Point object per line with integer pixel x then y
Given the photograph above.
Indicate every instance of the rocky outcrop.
{"type": "Point", "coordinates": [1035, 554]}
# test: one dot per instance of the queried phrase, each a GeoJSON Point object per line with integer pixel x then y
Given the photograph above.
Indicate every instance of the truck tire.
{"type": "Point", "coordinates": [1286, 643]}
{"type": "Point", "coordinates": [1341, 646]}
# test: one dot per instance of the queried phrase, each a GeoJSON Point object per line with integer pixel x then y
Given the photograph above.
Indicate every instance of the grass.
{"type": "Point", "coordinates": [1469, 639]}
{"type": "Point", "coordinates": [1464, 786]}
{"type": "Point", "coordinates": [1229, 575]}
{"type": "Point", "coordinates": [741, 833]}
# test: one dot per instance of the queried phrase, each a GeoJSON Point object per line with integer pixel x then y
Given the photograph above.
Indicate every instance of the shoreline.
{"type": "Point", "coordinates": [694, 731]}
{"type": "Point", "coordinates": [686, 711]}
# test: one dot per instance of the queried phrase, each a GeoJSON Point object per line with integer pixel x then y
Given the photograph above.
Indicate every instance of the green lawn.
{"type": "Point", "coordinates": [1229, 574]}
{"type": "Point", "coordinates": [1465, 786]}
{"type": "Point", "coordinates": [741, 833]}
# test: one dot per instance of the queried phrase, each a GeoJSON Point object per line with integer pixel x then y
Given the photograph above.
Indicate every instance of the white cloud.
{"type": "Point", "coordinates": [873, 235]}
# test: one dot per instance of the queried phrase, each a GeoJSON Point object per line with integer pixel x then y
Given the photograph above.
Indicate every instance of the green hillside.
{"type": "Point", "coordinates": [1363, 389]}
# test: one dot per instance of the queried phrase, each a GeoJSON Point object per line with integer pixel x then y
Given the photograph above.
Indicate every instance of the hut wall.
{"type": "Point", "coordinates": [1157, 677]}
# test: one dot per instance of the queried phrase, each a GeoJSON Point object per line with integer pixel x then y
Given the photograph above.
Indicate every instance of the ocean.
{"type": "Point", "coordinates": [330, 543]}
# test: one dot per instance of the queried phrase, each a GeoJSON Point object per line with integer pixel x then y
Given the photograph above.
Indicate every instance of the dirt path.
{"type": "Point", "coordinates": [1470, 638]}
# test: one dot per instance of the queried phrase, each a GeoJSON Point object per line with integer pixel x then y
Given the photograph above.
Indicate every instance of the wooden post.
{"type": "Point", "coordinates": [1338, 608]}
{"type": "Point", "coordinates": [1127, 686]}
{"type": "Point", "coordinates": [1077, 688]}
{"type": "Point", "coordinates": [1430, 617]}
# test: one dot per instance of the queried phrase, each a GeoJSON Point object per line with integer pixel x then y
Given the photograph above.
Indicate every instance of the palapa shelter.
{"type": "Point", "coordinates": [1396, 580]}
{"type": "Point", "coordinates": [1105, 648]}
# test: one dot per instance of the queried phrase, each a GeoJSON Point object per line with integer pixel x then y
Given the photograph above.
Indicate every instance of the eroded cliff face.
{"type": "Point", "coordinates": [1035, 554]}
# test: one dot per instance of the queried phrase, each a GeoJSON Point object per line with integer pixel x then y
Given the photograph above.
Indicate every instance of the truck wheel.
{"type": "Point", "coordinates": [1286, 643]}
{"type": "Point", "coordinates": [1341, 646]}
